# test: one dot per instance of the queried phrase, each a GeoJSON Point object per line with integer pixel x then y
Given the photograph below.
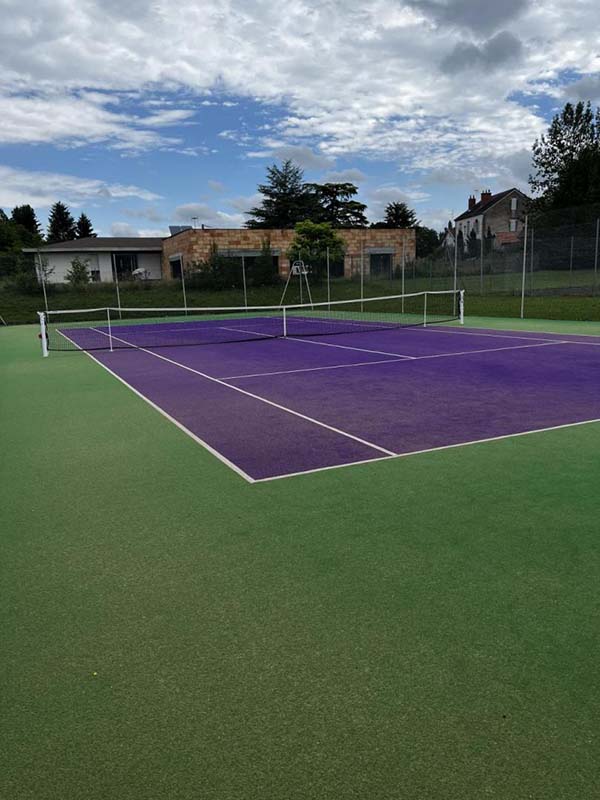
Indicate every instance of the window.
{"type": "Point", "coordinates": [513, 225]}
{"type": "Point", "coordinates": [513, 204]}
{"type": "Point", "coordinates": [125, 263]}
{"type": "Point", "coordinates": [95, 275]}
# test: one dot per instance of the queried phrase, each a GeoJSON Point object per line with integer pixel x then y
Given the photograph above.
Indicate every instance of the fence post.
{"type": "Point", "coordinates": [43, 280]}
{"type": "Point", "coordinates": [531, 265]}
{"type": "Point", "coordinates": [244, 282]}
{"type": "Point", "coordinates": [403, 270]}
{"type": "Point", "coordinates": [362, 276]}
{"type": "Point", "coordinates": [183, 286]}
{"type": "Point", "coordinates": [481, 245]}
{"type": "Point", "coordinates": [596, 254]}
{"type": "Point", "coordinates": [455, 266]}
{"type": "Point", "coordinates": [571, 263]}
{"type": "Point", "coordinates": [328, 284]}
{"type": "Point", "coordinates": [524, 269]}
{"type": "Point", "coordinates": [116, 280]}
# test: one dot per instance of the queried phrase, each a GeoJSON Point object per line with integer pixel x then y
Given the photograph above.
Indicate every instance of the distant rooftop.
{"type": "Point", "coordinates": [101, 243]}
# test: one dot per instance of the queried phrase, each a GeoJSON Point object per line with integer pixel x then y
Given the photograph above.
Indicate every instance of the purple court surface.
{"type": "Point", "coordinates": [278, 407]}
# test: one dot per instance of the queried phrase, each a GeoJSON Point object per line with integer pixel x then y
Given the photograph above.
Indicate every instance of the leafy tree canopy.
{"type": "Point", "coordinates": [61, 225]}
{"type": "Point", "coordinates": [335, 204]}
{"type": "Point", "coordinates": [427, 240]}
{"type": "Point", "coordinates": [566, 159]}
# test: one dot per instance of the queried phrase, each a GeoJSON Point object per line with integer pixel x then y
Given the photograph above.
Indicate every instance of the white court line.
{"type": "Point", "coordinates": [430, 450]}
{"type": "Point", "coordinates": [471, 332]}
{"type": "Point", "coordinates": [165, 414]}
{"type": "Point", "coordinates": [349, 347]}
{"type": "Point", "coordinates": [392, 360]}
{"type": "Point", "coordinates": [258, 397]}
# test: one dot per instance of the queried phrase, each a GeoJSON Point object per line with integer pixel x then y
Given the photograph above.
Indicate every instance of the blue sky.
{"type": "Point", "coordinates": [144, 117]}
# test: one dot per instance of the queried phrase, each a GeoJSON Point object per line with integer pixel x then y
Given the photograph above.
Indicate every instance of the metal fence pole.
{"type": "Point", "coordinates": [531, 265]}
{"type": "Point", "coordinates": [362, 276]}
{"type": "Point", "coordinates": [524, 269]}
{"type": "Point", "coordinates": [571, 263]}
{"type": "Point", "coordinates": [455, 266]}
{"type": "Point", "coordinates": [43, 280]}
{"type": "Point", "coordinates": [403, 270]}
{"type": "Point", "coordinates": [244, 282]}
{"type": "Point", "coordinates": [481, 243]}
{"type": "Point", "coordinates": [116, 280]}
{"type": "Point", "coordinates": [328, 283]}
{"type": "Point", "coordinates": [183, 286]}
{"type": "Point", "coordinates": [596, 254]}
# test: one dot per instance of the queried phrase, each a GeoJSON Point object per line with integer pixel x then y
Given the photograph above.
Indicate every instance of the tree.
{"type": "Point", "coordinates": [472, 244]}
{"type": "Point", "coordinates": [427, 240]}
{"type": "Point", "coordinates": [78, 274]}
{"type": "Point", "coordinates": [61, 225]}
{"type": "Point", "coordinates": [566, 159]}
{"type": "Point", "coordinates": [84, 228]}
{"type": "Point", "coordinates": [460, 243]}
{"type": "Point", "coordinates": [334, 204]}
{"type": "Point", "coordinates": [286, 199]}
{"type": "Point", "coordinates": [311, 242]}
{"type": "Point", "coordinates": [26, 218]}
{"type": "Point", "coordinates": [398, 215]}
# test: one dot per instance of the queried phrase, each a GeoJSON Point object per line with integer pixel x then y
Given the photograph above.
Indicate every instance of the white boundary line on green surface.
{"type": "Point", "coordinates": [407, 359]}
{"type": "Point", "coordinates": [431, 449]}
{"type": "Point", "coordinates": [165, 414]}
{"type": "Point", "coordinates": [287, 410]}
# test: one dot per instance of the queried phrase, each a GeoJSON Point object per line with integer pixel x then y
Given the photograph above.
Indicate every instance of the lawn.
{"type": "Point", "coordinates": [416, 628]}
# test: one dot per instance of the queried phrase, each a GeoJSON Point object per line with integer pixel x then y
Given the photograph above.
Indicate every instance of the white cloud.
{"type": "Point", "coordinates": [351, 175]}
{"type": "Point", "coordinates": [41, 189]}
{"type": "Point", "coordinates": [409, 82]}
{"type": "Point", "coordinates": [125, 229]}
{"type": "Point", "coordinates": [203, 214]}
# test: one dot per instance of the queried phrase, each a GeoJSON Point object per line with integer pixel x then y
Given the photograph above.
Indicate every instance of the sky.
{"type": "Point", "coordinates": [145, 114]}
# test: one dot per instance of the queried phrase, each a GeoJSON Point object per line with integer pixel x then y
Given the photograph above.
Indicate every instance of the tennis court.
{"type": "Point", "coordinates": [273, 396]}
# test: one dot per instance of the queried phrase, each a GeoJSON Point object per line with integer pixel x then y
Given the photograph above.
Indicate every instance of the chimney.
{"type": "Point", "coordinates": [472, 202]}
{"type": "Point", "coordinates": [486, 196]}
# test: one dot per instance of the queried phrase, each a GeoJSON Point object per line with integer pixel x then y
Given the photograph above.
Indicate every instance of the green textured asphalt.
{"type": "Point", "coordinates": [417, 628]}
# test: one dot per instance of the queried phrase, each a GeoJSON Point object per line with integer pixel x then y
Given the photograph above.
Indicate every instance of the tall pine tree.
{"type": "Point", "coordinates": [84, 228]}
{"type": "Point", "coordinates": [398, 215]}
{"type": "Point", "coordinates": [25, 216]}
{"type": "Point", "coordinates": [286, 199]}
{"type": "Point", "coordinates": [61, 225]}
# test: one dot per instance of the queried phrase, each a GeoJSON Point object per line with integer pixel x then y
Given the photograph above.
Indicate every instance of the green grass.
{"type": "Point", "coordinates": [416, 628]}
{"type": "Point", "coordinates": [501, 296]}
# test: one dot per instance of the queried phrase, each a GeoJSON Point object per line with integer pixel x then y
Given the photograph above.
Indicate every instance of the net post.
{"type": "Point", "coordinates": [284, 323]}
{"type": "Point", "coordinates": [43, 333]}
{"type": "Point", "coordinates": [424, 309]}
{"type": "Point", "coordinates": [403, 270]}
{"type": "Point", "coordinates": [110, 341]}
{"type": "Point", "coordinates": [461, 307]}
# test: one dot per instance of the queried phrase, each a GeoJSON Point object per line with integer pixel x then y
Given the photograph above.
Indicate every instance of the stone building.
{"type": "Point", "coordinates": [379, 249]}
{"type": "Point", "coordinates": [503, 214]}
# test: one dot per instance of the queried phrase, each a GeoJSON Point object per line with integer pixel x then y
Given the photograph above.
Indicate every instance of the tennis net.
{"type": "Point", "coordinates": [116, 328]}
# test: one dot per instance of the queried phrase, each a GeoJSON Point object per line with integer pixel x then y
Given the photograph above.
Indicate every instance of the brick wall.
{"type": "Point", "coordinates": [195, 245]}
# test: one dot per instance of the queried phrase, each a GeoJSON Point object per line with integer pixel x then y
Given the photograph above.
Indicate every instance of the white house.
{"type": "Point", "coordinates": [105, 256]}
